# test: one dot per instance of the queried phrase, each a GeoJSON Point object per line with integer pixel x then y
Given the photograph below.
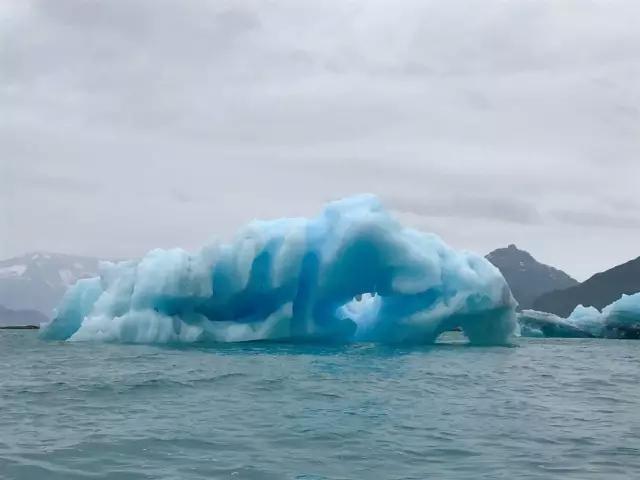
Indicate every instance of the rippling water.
{"type": "Point", "coordinates": [545, 409]}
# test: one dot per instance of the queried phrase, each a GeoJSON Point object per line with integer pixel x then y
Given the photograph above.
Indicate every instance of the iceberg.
{"type": "Point", "coordinates": [588, 319]}
{"type": "Point", "coordinates": [351, 274]}
{"type": "Point", "coordinates": [542, 324]}
{"type": "Point", "coordinates": [621, 320]}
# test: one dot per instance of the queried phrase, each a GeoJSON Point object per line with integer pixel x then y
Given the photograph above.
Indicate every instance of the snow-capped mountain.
{"type": "Point", "coordinates": [528, 278]}
{"type": "Point", "coordinates": [38, 280]}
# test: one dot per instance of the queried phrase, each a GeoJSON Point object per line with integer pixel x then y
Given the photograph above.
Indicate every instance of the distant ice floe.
{"type": "Point", "coordinates": [621, 319]}
{"type": "Point", "coordinates": [351, 274]}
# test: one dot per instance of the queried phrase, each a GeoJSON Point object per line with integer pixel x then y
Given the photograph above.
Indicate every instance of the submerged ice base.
{"type": "Point", "coordinates": [351, 274]}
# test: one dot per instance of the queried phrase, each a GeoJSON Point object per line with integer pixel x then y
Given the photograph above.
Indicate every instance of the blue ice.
{"type": "Point", "coordinates": [620, 319]}
{"type": "Point", "coordinates": [542, 324]}
{"type": "Point", "coordinates": [351, 274]}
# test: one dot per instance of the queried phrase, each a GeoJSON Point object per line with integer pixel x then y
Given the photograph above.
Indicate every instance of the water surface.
{"type": "Point", "coordinates": [566, 409]}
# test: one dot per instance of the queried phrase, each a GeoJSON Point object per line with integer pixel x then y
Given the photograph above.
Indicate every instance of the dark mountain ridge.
{"type": "Point", "coordinates": [528, 278]}
{"type": "Point", "coordinates": [598, 291]}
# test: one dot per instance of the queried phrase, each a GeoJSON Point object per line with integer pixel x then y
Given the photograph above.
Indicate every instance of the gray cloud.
{"type": "Point", "coordinates": [589, 219]}
{"type": "Point", "coordinates": [465, 207]}
{"type": "Point", "coordinates": [132, 124]}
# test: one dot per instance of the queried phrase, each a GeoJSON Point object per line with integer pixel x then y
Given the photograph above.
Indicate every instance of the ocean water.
{"type": "Point", "coordinates": [546, 409]}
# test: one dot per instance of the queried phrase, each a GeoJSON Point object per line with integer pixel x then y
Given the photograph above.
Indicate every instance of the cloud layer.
{"type": "Point", "coordinates": [133, 124]}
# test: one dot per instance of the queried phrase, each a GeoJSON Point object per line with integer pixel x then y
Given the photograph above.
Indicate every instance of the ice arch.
{"type": "Point", "coordinates": [295, 280]}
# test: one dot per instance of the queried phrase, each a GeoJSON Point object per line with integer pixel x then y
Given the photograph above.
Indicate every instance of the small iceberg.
{"type": "Point", "coordinates": [621, 320]}
{"type": "Point", "coordinates": [542, 324]}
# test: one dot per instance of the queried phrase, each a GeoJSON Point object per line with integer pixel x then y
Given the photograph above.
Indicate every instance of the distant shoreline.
{"type": "Point", "coordinates": [19, 327]}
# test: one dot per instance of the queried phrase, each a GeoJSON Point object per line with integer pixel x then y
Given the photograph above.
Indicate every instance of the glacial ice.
{"type": "Point", "coordinates": [542, 324]}
{"type": "Point", "coordinates": [353, 273]}
{"type": "Point", "coordinates": [588, 319]}
{"type": "Point", "coordinates": [621, 319]}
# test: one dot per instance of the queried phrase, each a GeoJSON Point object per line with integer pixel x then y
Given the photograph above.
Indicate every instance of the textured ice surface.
{"type": "Point", "coordinates": [588, 319]}
{"type": "Point", "coordinates": [621, 319]}
{"type": "Point", "coordinates": [297, 280]}
{"type": "Point", "coordinates": [542, 324]}
{"type": "Point", "coordinates": [627, 306]}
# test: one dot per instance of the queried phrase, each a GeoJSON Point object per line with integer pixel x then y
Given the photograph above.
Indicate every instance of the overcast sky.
{"type": "Point", "coordinates": [126, 125]}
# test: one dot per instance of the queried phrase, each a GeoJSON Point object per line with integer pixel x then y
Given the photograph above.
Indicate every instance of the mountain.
{"type": "Point", "coordinates": [11, 318]}
{"type": "Point", "coordinates": [38, 280]}
{"type": "Point", "coordinates": [528, 278]}
{"type": "Point", "coordinates": [598, 291]}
